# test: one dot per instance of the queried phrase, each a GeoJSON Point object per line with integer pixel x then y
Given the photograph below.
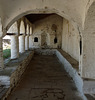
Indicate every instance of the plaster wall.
{"type": "Point", "coordinates": [49, 28]}
{"type": "Point", "coordinates": [70, 40]}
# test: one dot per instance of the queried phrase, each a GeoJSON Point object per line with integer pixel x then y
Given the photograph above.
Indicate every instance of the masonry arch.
{"type": "Point", "coordinates": [22, 27]}
{"type": "Point", "coordinates": [46, 10]}
{"type": "Point", "coordinates": [13, 28]}
{"type": "Point", "coordinates": [41, 11]}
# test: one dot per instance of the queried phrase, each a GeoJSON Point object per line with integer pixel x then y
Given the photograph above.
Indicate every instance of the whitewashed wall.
{"type": "Point", "coordinates": [70, 40]}
{"type": "Point", "coordinates": [51, 26]}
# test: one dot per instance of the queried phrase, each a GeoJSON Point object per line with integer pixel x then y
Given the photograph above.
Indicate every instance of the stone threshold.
{"type": "Point", "coordinates": [11, 74]}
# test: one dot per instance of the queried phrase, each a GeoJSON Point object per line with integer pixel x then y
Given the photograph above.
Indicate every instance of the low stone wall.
{"type": "Point", "coordinates": [72, 72]}
{"type": "Point", "coordinates": [16, 75]}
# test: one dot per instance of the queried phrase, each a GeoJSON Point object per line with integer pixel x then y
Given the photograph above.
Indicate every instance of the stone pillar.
{"type": "Point", "coordinates": [14, 47]}
{"type": "Point", "coordinates": [30, 42]}
{"type": "Point", "coordinates": [88, 56]}
{"type": "Point", "coordinates": [27, 42]}
{"type": "Point", "coordinates": [21, 43]}
{"type": "Point", "coordinates": [1, 54]}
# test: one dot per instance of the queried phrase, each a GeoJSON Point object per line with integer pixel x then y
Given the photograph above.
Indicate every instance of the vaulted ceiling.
{"type": "Point", "coordinates": [35, 17]}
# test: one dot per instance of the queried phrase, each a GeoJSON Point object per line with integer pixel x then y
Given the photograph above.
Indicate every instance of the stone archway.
{"type": "Point", "coordinates": [39, 11]}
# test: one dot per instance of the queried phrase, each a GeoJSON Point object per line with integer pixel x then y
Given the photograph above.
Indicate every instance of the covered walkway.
{"type": "Point", "coordinates": [45, 79]}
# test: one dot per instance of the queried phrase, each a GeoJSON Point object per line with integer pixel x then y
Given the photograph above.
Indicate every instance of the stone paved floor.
{"type": "Point", "coordinates": [45, 79]}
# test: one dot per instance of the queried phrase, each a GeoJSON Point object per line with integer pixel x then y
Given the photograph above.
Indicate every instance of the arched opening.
{"type": "Point", "coordinates": [6, 47]}
{"type": "Point", "coordinates": [13, 33]}
{"type": "Point", "coordinates": [55, 40]}
{"type": "Point", "coordinates": [36, 39]}
{"type": "Point", "coordinates": [22, 27]}
{"type": "Point", "coordinates": [59, 38]}
{"type": "Point", "coordinates": [51, 26]}
{"type": "Point", "coordinates": [61, 32]}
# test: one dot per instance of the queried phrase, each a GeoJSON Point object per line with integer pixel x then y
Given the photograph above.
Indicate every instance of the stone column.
{"type": "Point", "coordinates": [27, 42]}
{"type": "Point", "coordinates": [14, 47]}
{"type": "Point", "coordinates": [30, 42]}
{"type": "Point", "coordinates": [1, 54]}
{"type": "Point", "coordinates": [21, 43]}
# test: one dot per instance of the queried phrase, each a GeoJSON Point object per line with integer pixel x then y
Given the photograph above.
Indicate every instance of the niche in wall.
{"type": "Point", "coordinates": [55, 40]}
{"type": "Point", "coordinates": [35, 39]}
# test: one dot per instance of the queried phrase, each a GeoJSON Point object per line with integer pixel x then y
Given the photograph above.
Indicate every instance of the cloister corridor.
{"type": "Point", "coordinates": [45, 79]}
{"type": "Point", "coordinates": [47, 49]}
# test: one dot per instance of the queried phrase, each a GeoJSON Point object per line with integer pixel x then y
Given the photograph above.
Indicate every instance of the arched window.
{"type": "Point", "coordinates": [35, 39]}
{"type": "Point", "coordinates": [55, 40]}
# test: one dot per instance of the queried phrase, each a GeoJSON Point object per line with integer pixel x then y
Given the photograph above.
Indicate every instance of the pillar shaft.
{"type": "Point", "coordinates": [88, 57]}
{"type": "Point", "coordinates": [30, 42]}
{"type": "Point", "coordinates": [1, 54]}
{"type": "Point", "coordinates": [22, 44]}
{"type": "Point", "coordinates": [27, 42]}
{"type": "Point", "coordinates": [14, 47]}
